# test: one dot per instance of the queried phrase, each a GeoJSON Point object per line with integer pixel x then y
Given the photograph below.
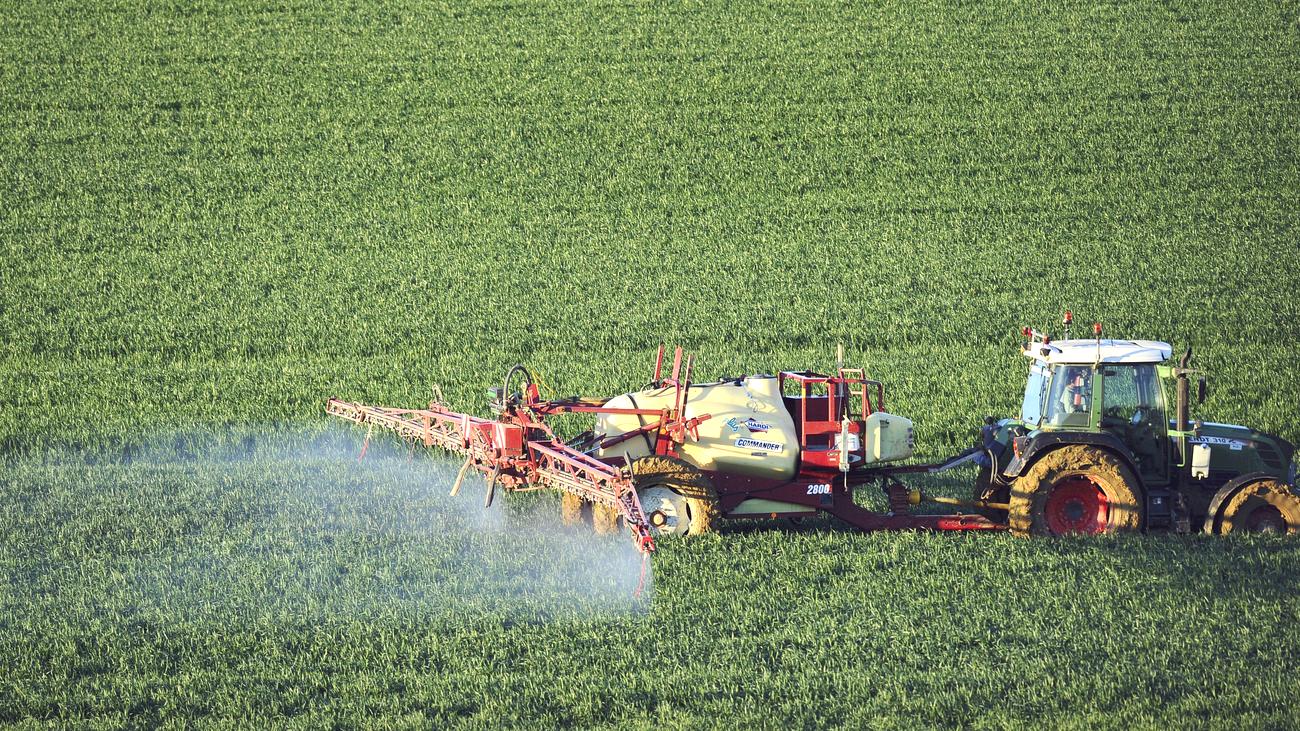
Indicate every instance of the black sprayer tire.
{"type": "Point", "coordinates": [604, 519]}
{"type": "Point", "coordinates": [1075, 489]}
{"type": "Point", "coordinates": [573, 509]}
{"type": "Point", "coordinates": [1267, 506]}
{"type": "Point", "coordinates": [683, 479]}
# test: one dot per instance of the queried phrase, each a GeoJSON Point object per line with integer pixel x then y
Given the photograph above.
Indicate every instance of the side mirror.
{"type": "Point", "coordinates": [1200, 390]}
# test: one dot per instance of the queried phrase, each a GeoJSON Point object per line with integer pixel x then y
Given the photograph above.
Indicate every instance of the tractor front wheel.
{"type": "Point", "coordinates": [1075, 489]}
{"type": "Point", "coordinates": [1267, 506]}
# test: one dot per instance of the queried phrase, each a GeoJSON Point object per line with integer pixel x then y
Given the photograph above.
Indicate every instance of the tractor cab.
{"type": "Point", "coordinates": [1102, 386]}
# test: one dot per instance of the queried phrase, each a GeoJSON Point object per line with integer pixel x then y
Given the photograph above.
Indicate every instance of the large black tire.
{"type": "Point", "coordinates": [604, 519]}
{"type": "Point", "coordinates": [1266, 506]}
{"type": "Point", "coordinates": [1068, 472]}
{"type": "Point", "coordinates": [685, 480]}
{"type": "Point", "coordinates": [573, 509]}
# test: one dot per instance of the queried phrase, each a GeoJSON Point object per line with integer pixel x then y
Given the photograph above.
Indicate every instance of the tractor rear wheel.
{"type": "Point", "coordinates": [676, 497]}
{"type": "Point", "coordinates": [1075, 489]}
{"type": "Point", "coordinates": [1267, 506]}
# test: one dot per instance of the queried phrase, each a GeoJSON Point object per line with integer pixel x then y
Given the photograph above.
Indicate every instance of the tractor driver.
{"type": "Point", "coordinates": [1072, 393]}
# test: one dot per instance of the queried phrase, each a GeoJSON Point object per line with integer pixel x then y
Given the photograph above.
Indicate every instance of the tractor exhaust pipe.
{"type": "Point", "coordinates": [1182, 392]}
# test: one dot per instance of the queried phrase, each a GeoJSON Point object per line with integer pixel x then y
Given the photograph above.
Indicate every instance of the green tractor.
{"type": "Point", "coordinates": [1094, 449]}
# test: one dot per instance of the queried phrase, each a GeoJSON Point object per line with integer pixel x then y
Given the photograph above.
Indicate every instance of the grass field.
{"type": "Point", "coordinates": [214, 216]}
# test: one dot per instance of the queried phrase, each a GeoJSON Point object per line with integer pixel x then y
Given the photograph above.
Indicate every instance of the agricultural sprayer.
{"type": "Point", "coordinates": [675, 456]}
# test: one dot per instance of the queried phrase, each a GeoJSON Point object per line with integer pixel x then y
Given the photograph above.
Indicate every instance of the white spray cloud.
{"type": "Point", "coordinates": [286, 524]}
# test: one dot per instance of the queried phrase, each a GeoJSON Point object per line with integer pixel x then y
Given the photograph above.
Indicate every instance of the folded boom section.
{"type": "Point", "coordinates": [516, 454]}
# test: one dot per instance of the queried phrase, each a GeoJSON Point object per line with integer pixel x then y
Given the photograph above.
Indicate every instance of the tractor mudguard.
{"type": "Point", "coordinates": [1226, 493]}
{"type": "Point", "coordinates": [1034, 446]}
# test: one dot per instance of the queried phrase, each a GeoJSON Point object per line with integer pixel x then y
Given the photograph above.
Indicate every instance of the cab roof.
{"type": "Point", "coordinates": [1112, 351]}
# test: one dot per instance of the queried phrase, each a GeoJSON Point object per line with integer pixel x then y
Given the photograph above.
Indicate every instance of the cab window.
{"type": "Point", "coordinates": [1069, 399]}
{"type": "Point", "coordinates": [1132, 396]}
{"type": "Point", "coordinates": [1031, 410]}
{"type": "Point", "coordinates": [1133, 409]}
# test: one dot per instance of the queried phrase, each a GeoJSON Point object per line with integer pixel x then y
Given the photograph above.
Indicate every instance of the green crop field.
{"type": "Point", "coordinates": [213, 216]}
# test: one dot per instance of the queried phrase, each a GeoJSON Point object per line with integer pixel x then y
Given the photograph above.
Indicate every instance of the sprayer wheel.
{"type": "Point", "coordinates": [1075, 489]}
{"type": "Point", "coordinates": [574, 510]}
{"type": "Point", "coordinates": [1267, 506]}
{"type": "Point", "coordinates": [676, 497]}
{"type": "Point", "coordinates": [604, 519]}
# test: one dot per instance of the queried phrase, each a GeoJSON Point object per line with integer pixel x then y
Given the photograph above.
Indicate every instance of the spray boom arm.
{"type": "Point", "coordinates": [520, 452]}
{"type": "Point", "coordinates": [516, 452]}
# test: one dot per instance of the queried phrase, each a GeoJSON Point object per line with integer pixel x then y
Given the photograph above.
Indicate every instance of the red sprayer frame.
{"type": "Point", "coordinates": [518, 451]}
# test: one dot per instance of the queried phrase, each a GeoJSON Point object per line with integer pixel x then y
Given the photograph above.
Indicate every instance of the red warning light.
{"type": "Point", "coordinates": [1096, 328]}
{"type": "Point", "coordinates": [1069, 318]}
{"type": "Point", "coordinates": [1025, 331]}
